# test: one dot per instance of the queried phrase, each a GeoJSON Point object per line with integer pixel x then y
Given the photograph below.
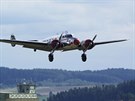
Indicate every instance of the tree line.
{"type": "Point", "coordinates": [43, 76]}
{"type": "Point", "coordinates": [122, 92]}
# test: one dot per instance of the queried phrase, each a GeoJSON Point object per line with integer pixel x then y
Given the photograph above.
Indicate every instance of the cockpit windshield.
{"type": "Point", "coordinates": [68, 36]}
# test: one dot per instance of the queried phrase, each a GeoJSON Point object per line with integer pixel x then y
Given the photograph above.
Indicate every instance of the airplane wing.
{"type": "Point", "coordinates": [29, 44]}
{"type": "Point", "coordinates": [107, 42]}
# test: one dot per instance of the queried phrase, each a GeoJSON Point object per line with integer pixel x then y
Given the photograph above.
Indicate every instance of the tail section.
{"type": "Point", "coordinates": [12, 38]}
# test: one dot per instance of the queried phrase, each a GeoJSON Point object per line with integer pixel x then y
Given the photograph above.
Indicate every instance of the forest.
{"type": "Point", "coordinates": [122, 92]}
{"type": "Point", "coordinates": [55, 77]}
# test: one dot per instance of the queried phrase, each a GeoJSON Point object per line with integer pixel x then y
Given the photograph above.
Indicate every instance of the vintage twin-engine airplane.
{"type": "Point", "coordinates": [64, 42]}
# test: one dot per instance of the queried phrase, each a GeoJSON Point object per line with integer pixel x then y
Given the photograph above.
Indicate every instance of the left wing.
{"type": "Point", "coordinates": [29, 44]}
{"type": "Point", "coordinates": [107, 42]}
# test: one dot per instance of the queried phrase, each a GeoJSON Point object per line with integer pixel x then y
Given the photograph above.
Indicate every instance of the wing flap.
{"type": "Point", "coordinates": [43, 48]}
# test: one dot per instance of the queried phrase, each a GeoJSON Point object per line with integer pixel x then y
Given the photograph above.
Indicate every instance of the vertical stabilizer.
{"type": "Point", "coordinates": [12, 37]}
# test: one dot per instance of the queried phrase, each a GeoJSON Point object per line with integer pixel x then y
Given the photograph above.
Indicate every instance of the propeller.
{"type": "Point", "coordinates": [89, 44]}
{"type": "Point", "coordinates": [57, 43]}
{"type": "Point", "coordinates": [94, 38]}
{"type": "Point", "coordinates": [60, 37]}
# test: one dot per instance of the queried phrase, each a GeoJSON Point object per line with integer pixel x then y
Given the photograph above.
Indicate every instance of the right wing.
{"type": "Point", "coordinates": [107, 42]}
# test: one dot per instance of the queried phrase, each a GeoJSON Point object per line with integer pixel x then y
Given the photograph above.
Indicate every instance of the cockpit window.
{"type": "Point", "coordinates": [68, 36]}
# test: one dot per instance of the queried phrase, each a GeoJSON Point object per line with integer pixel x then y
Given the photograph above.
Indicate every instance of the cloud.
{"type": "Point", "coordinates": [34, 19]}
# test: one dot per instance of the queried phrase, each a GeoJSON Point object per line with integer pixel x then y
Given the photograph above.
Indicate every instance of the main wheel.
{"type": "Point", "coordinates": [35, 50]}
{"type": "Point", "coordinates": [84, 57]}
{"type": "Point", "coordinates": [50, 56]}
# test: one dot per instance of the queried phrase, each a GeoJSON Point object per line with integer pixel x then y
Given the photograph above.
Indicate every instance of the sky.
{"type": "Point", "coordinates": [38, 19]}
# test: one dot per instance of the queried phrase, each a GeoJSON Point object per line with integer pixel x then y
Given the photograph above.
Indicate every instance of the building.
{"type": "Point", "coordinates": [26, 92]}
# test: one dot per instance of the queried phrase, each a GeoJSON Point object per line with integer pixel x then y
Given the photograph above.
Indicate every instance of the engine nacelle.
{"type": "Point", "coordinates": [87, 44]}
{"type": "Point", "coordinates": [76, 42]}
{"type": "Point", "coordinates": [55, 43]}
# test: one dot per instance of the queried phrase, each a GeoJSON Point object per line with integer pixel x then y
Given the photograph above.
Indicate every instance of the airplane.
{"type": "Point", "coordinates": [63, 42]}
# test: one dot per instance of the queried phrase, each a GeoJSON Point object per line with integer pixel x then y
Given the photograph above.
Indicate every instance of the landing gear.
{"type": "Point", "coordinates": [84, 57]}
{"type": "Point", "coordinates": [35, 50]}
{"type": "Point", "coordinates": [50, 57]}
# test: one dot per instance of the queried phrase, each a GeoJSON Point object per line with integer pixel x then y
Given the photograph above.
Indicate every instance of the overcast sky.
{"type": "Point", "coordinates": [38, 19]}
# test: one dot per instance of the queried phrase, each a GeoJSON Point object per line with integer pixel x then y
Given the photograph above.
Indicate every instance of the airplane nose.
{"type": "Point", "coordinates": [76, 42]}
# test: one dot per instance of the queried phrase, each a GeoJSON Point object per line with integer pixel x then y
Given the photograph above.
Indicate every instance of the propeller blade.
{"type": "Point", "coordinates": [94, 37]}
{"type": "Point", "coordinates": [60, 37]}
